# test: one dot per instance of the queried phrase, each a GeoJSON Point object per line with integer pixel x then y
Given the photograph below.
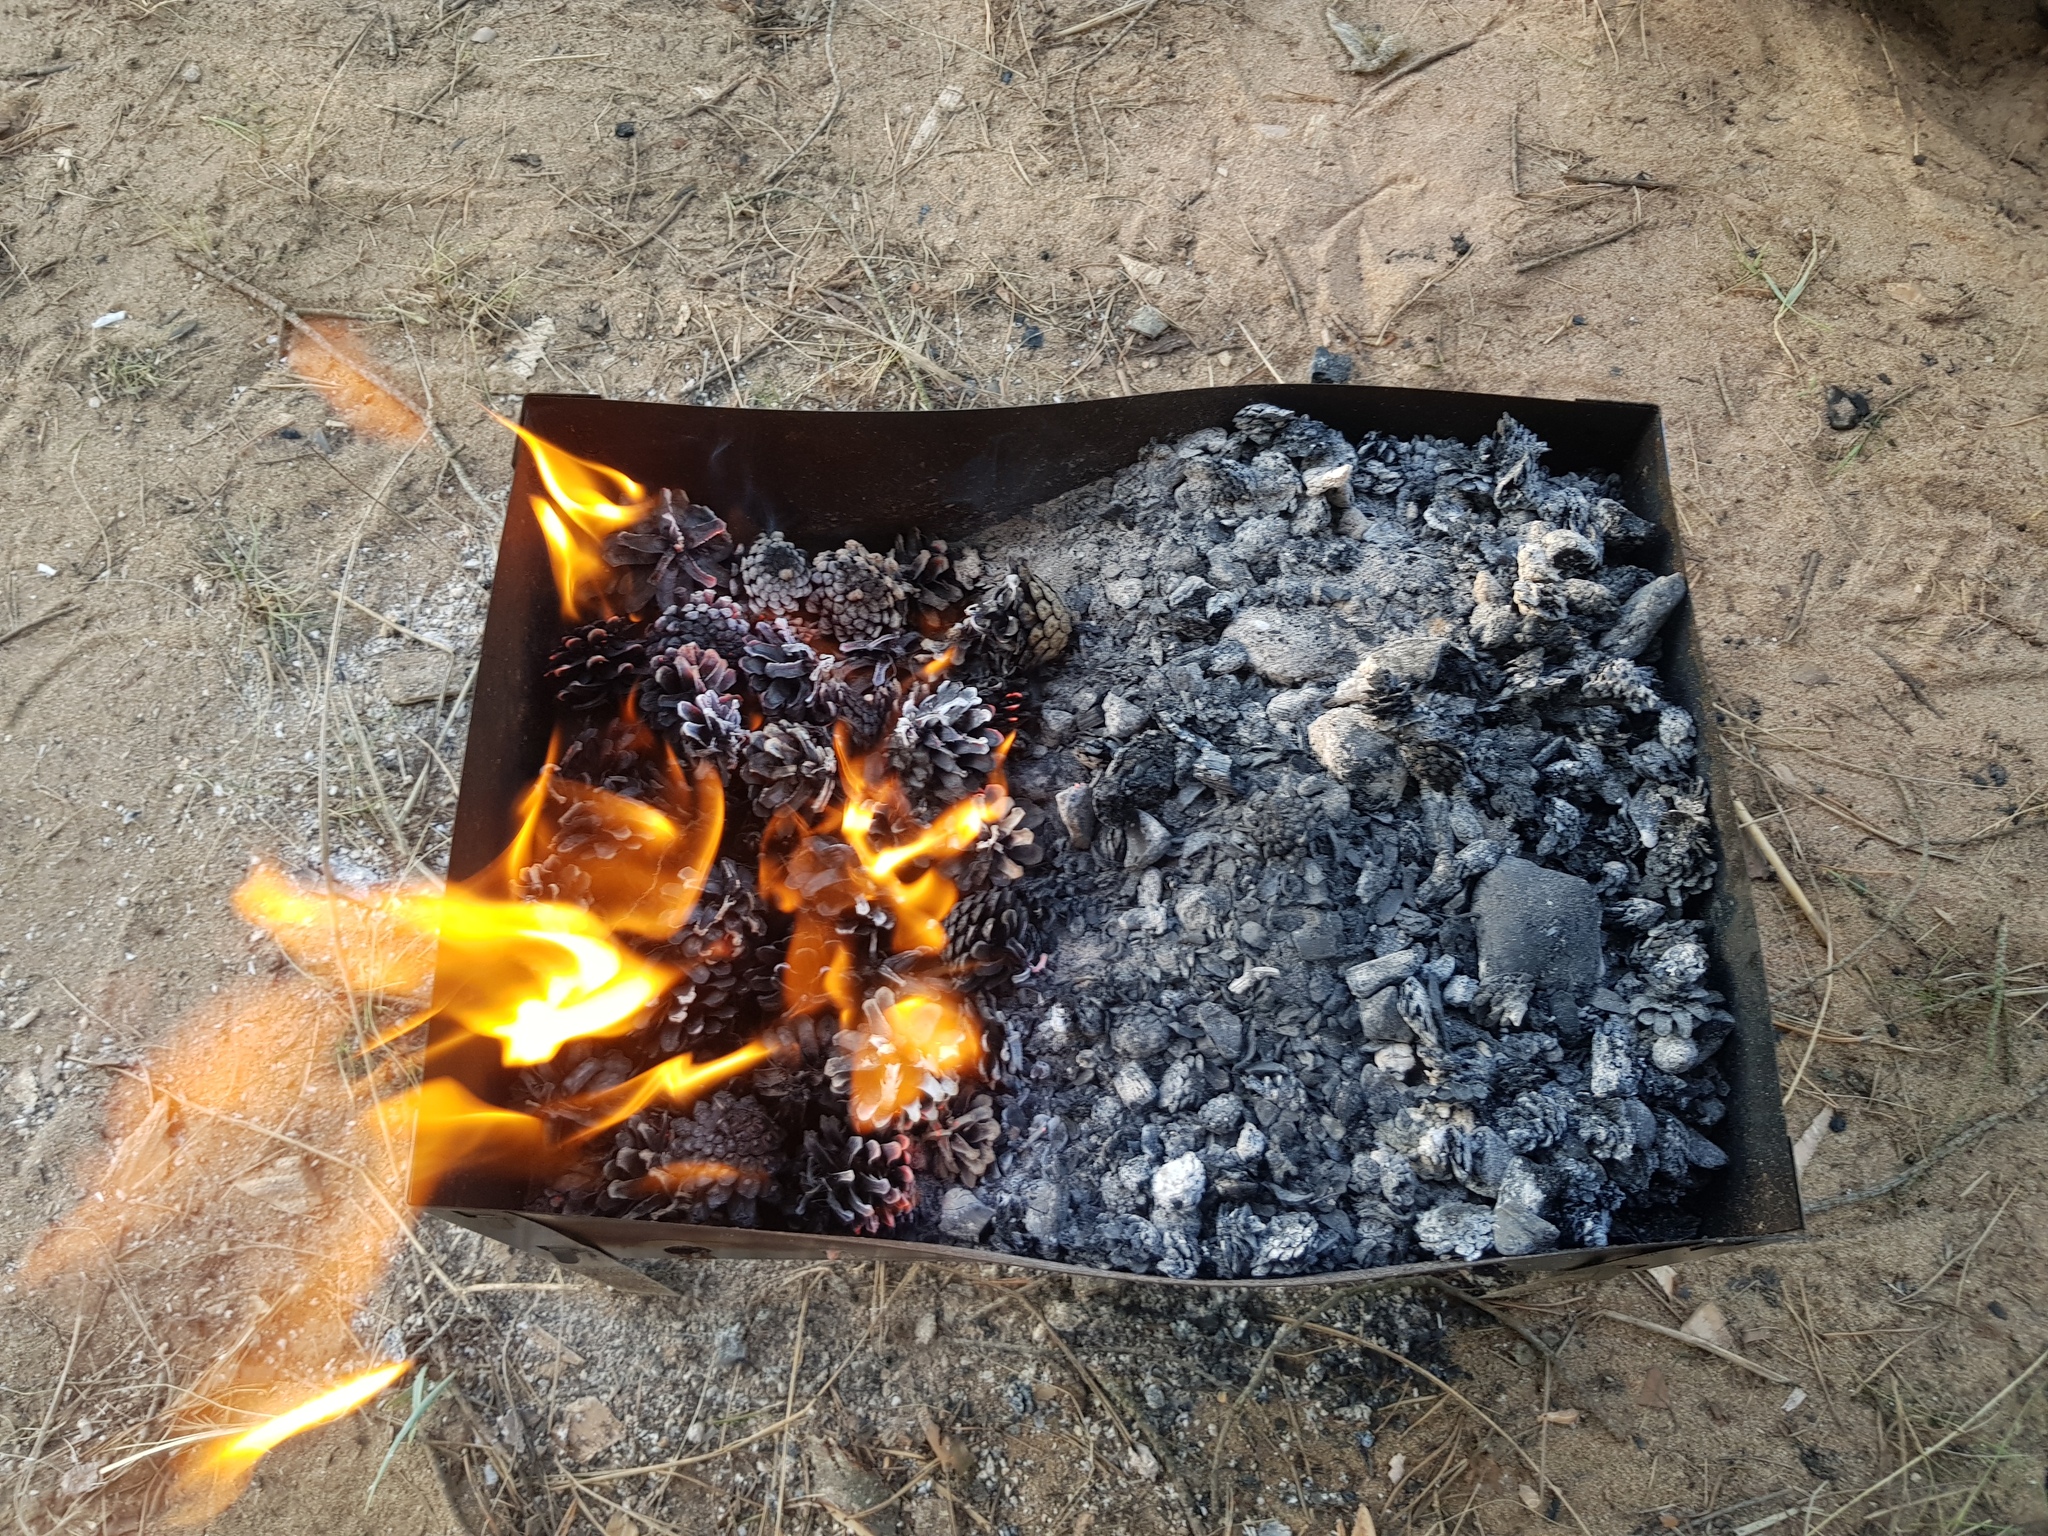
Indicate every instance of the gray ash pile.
{"type": "Point", "coordinates": [1274, 859]}
{"type": "Point", "coordinates": [1375, 931]}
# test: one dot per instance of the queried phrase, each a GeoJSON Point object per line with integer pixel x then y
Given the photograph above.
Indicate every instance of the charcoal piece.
{"type": "Point", "coordinates": [1223, 1029]}
{"type": "Point", "coordinates": [597, 665]}
{"type": "Point", "coordinates": [678, 548]}
{"type": "Point", "coordinates": [1359, 757]}
{"type": "Point", "coordinates": [943, 746]}
{"type": "Point", "coordinates": [788, 766]}
{"type": "Point", "coordinates": [1133, 1085]}
{"type": "Point", "coordinates": [1321, 936]}
{"type": "Point", "coordinates": [776, 574]}
{"type": "Point", "coordinates": [1076, 807]}
{"type": "Point", "coordinates": [1369, 977]}
{"type": "Point", "coordinates": [861, 1183]}
{"type": "Point", "coordinates": [1634, 688]}
{"type": "Point", "coordinates": [1456, 1229]}
{"type": "Point", "coordinates": [1290, 648]}
{"type": "Point", "coordinates": [963, 1217]}
{"type": "Point", "coordinates": [989, 934]}
{"type": "Point", "coordinates": [1328, 367]}
{"type": "Point", "coordinates": [855, 594]}
{"type": "Point", "coordinates": [1177, 1188]}
{"type": "Point", "coordinates": [1540, 923]}
{"type": "Point", "coordinates": [1221, 1115]}
{"type": "Point", "coordinates": [1129, 1242]}
{"type": "Point", "coordinates": [1141, 777]}
{"type": "Point", "coordinates": [1141, 1034]}
{"type": "Point", "coordinates": [1643, 615]}
{"type": "Point", "coordinates": [1517, 1232]}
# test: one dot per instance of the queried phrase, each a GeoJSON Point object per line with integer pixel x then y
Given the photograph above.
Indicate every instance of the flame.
{"type": "Point", "coordinates": [335, 365]}
{"type": "Point", "coordinates": [920, 902]}
{"type": "Point", "coordinates": [216, 1478]}
{"type": "Point", "coordinates": [453, 1131]}
{"type": "Point", "coordinates": [585, 503]}
{"type": "Point", "coordinates": [675, 1081]}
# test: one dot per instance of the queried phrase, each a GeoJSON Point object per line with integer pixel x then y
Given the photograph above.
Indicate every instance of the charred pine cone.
{"type": "Point", "coordinates": [688, 696]}
{"type": "Point", "coordinates": [620, 756]}
{"type": "Point", "coordinates": [776, 574]}
{"type": "Point", "coordinates": [943, 745]}
{"type": "Point", "coordinates": [855, 594]}
{"type": "Point", "coordinates": [709, 1164]}
{"type": "Point", "coordinates": [708, 620]}
{"type": "Point", "coordinates": [794, 1072]}
{"type": "Point", "coordinates": [779, 669]}
{"type": "Point", "coordinates": [1007, 847]}
{"type": "Point", "coordinates": [860, 1183]}
{"type": "Point", "coordinates": [789, 767]}
{"type": "Point", "coordinates": [989, 935]}
{"type": "Point", "coordinates": [597, 665]}
{"type": "Point", "coordinates": [959, 1145]}
{"type": "Point", "coordinates": [1018, 626]}
{"type": "Point", "coordinates": [726, 963]}
{"type": "Point", "coordinates": [937, 575]}
{"type": "Point", "coordinates": [862, 687]}
{"type": "Point", "coordinates": [680, 546]}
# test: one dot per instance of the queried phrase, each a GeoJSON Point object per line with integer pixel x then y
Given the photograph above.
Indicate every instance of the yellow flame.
{"type": "Point", "coordinates": [911, 1040]}
{"type": "Point", "coordinates": [330, 1405]}
{"type": "Point", "coordinates": [585, 503]}
{"type": "Point", "coordinates": [676, 1081]}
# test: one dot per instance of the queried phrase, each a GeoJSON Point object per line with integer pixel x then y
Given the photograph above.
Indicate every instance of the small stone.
{"type": "Point", "coordinates": [1359, 757]}
{"type": "Point", "coordinates": [1370, 977]}
{"type": "Point", "coordinates": [1288, 649]}
{"type": "Point", "coordinates": [1540, 923]}
{"type": "Point", "coordinates": [191, 74]}
{"type": "Point", "coordinates": [1123, 719]}
{"type": "Point", "coordinates": [1811, 677]}
{"type": "Point", "coordinates": [1396, 1058]}
{"type": "Point", "coordinates": [1076, 807]}
{"type": "Point", "coordinates": [1148, 321]}
{"type": "Point", "coordinates": [1125, 591]}
{"type": "Point", "coordinates": [1199, 910]}
{"type": "Point", "coordinates": [962, 1216]}
{"type": "Point", "coordinates": [1846, 409]}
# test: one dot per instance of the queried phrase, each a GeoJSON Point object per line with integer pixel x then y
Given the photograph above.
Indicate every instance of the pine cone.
{"type": "Point", "coordinates": [855, 593]}
{"type": "Point", "coordinates": [687, 695]}
{"type": "Point", "coordinates": [989, 935]}
{"type": "Point", "coordinates": [777, 574]}
{"type": "Point", "coordinates": [943, 745]}
{"type": "Point", "coordinates": [555, 878]}
{"type": "Point", "coordinates": [794, 1073]}
{"type": "Point", "coordinates": [959, 1145]}
{"type": "Point", "coordinates": [619, 755]}
{"type": "Point", "coordinates": [871, 1045]}
{"type": "Point", "coordinates": [708, 620]}
{"type": "Point", "coordinates": [936, 575]}
{"type": "Point", "coordinates": [1018, 626]}
{"type": "Point", "coordinates": [1007, 847]}
{"type": "Point", "coordinates": [598, 664]}
{"type": "Point", "coordinates": [677, 547]}
{"type": "Point", "coordinates": [862, 1183]}
{"type": "Point", "coordinates": [779, 669]}
{"type": "Point", "coordinates": [789, 767]}
{"type": "Point", "coordinates": [726, 961]}
{"type": "Point", "coordinates": [579, 1067]}
{"type": "Point", "coordinates": [707, 1164]}
{"type": "Point", "coordinates": [862, 687]}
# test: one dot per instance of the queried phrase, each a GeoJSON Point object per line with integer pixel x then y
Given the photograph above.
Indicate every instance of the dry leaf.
{"type": "Point", "coordinates": [589, 1428]}
{"type": "Point", "coordinates": [288, 1185]}
{"type": "Point", "coordinates": [1531, 1499]}
{"type": "Point", "coordinates": [1653, 1393]}
{"type": "Point", "coordinates": [1143, 273]}
{"type": "Point", "coordinates": [1362, 1523]}
{"type": "Point", "coordinates": [954, 1457]}
{"type": "Point", "coordinates": [1397, 1469]}
{"type": "Point", "coordinates": [1809, 1141]}
{"type": "Point", "coordinates": [1708, 1324]}
{"type": "Point", "coordinates": [1666, 1276]}
{"type": "Point", "coordinates": [1559, 1416]}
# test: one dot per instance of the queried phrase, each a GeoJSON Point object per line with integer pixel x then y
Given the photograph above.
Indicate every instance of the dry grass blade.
{"type": "Point", "coordinates": [1785, 876]}
{"type": "Point", "coordinates": [1696, 1342]}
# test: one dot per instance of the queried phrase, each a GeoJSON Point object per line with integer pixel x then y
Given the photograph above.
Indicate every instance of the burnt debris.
{"type": "Point", "coordinates": [1344, 905]}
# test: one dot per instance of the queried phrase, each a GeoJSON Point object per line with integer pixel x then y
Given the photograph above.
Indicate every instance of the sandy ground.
{"type": "Point", "coordinates": [958, 203]}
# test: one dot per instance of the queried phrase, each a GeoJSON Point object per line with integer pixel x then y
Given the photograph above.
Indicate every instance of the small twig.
{"type": "Point", "coordinates": [22, 141]}
{"type": "Point", "coordinates": [683, 200]}
{"type": "Point", "coordinates": [2000, 1041]}
{"type": "Point", "coordinates": [38, 621]}
{"type": "Point", "coordinates": [1416, 66]}
{"type": "Point", "coordinates": [831, 110]}
{"type": "Point", "coordinates": [1808, 570]}
{"type": "Point", "coordinates": [37, 71]}
{"type": "Point", "coordinates": [390, 623]}
{"type": "Point", "coordinates": [1785, 876]}
{"type": "Point", "coordinates": [620, 1474]}
{"type": "Point", "coordinates": [1133, 8]}
{"type": "Point", "coordinates": [1252, 342]}
{"type": "Point", "coordinates": [1594, 244]}
{"type": "Point", "coordinates": [1698, 1343]}
{"type": "Point", "coordinates": [1646, 182]}
{"type": "Point", "coordinates": [1913, 684]}
{"type": "Point", "coordinates": [1515, 150]}
{"type": "Point", "coordinates": [1912, 1171]}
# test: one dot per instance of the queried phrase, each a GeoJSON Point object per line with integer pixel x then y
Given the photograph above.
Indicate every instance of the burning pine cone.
{"type": "Point", "coordinates": [861, 1183]}
{"type": "Point", "coordinates": [794, 1073]}
{"type": "Point", "coordinates": [709, 620]}
{"type": "Point", "coordinates": [725, 959]}
{"type": "Point", "coordinates": [709, 1164]}
{"type": "Point", "coordinates": [937, 577]}
{"type": "Point", "coordinates": [596, 665]}
{"type": "Point", "coordinates": [988, 935]}
{"type": "Point", "coordinates": [680, 546]}
{"type": "Point", "coordinates": [620, 756]}
{"type": "Point", "coordinates": [779, 669]}
{"type": "Point", "coordinates": [959, 1145]}
{"type": "Point", "coordinates": [855, 594]}
{"type": "Point", "coordinates": [943, 745]}
{"type": "Point", "coordinates": [789, 767]}
{"type": "Point", "coordinates": [776, 574]}
{"type": "Point", "coordinates": [1019, 626]}
{"type": "Point", "coordinates": [687, 695]}
{"type": "Point", "coordinates": [862, 687]}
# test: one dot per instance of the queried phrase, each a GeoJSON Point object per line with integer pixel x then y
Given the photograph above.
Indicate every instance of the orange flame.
{"type": "Point", "coordinates": [919, 903]}
{"type": "Point", "coordinates": [914, 1050]}
{"type": "Point", "coordinates": [675, 1081]}
{"type": "Point", "coordinates": [217, 1477]}
{"type": "Point", "coordinates": [586, 503]}
{"type": "Point", "coordinates": [349, 383]}
{"type": "Point", "coordinates": [453, 1131]}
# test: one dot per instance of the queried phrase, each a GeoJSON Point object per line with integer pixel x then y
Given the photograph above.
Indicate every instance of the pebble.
{"type": "Point", "coordinates": [191, 74]}
{"type": "Point", "coordinates": [484, 35]}
{"type": "Point", "coordinates": [1148, 321]}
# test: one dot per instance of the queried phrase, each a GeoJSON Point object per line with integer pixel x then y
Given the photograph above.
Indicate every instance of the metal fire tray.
{"type": "Point", "coordinates": [823, 477]}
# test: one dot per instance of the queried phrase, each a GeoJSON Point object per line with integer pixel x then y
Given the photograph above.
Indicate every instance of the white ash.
{"type": "Point", "coordinates": [1375, 892]}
